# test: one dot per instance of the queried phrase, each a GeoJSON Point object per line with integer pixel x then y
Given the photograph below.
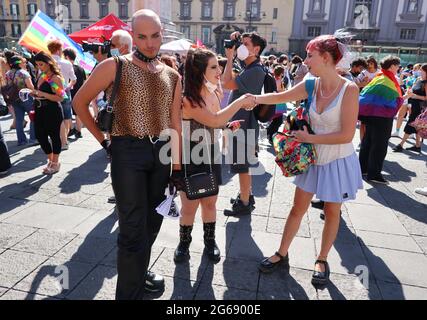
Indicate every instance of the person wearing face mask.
{"type": "Point", "coordinates": [121, 43]}
{"type": "Point", "coordinates": [243, 146]}
{"type": "Point", "coordinates": [201, 115]}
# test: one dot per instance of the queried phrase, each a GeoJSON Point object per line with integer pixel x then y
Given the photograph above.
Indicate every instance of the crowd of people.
{"type": "Point", "coordinates": [206, 104]}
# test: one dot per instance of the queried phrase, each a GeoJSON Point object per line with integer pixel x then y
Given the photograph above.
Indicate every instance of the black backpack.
{"type": "Point", "coordinates": [264, 112]}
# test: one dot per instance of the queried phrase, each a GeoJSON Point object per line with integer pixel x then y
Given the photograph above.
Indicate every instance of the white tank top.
{"type": "Point", "coordinates": [329, 122]}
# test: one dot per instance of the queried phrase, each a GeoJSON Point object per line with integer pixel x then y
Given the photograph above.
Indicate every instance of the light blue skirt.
{"type": "Point", "coordinates": [335, 182]}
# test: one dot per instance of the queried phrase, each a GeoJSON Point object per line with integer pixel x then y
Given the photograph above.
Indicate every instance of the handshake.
{"type": "Point", "coordinates": [248, 101]}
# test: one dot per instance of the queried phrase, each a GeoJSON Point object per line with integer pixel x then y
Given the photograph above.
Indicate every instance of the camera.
{"type": "Point", "coordinates": [94, 47]}
{"type": "Point", "coordinates": [229, 44]}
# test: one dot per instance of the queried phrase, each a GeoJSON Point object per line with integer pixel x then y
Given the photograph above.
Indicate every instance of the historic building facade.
{"type": "Point", "coordinates": [15, 16]}
{"type": "Point", "coordinates": [75, 15]}
{"type": "Point", "coordinates": [212, 21]}
{"type": "Point", "coordinates": [399, 23]}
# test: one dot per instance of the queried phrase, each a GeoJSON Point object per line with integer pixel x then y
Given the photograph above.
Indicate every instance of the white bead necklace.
{"type": "Point", "coordinates": [321, 91]}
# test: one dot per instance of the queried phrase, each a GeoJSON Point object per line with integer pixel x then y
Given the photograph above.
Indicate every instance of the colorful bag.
{"type": "Point", "coordinates": [420, 124]}
{"type": "Point", "coordinates": [294, 158]}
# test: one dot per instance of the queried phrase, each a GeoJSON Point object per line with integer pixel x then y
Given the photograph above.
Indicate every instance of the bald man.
{"type": "Point", "coordinates": [140, 172]}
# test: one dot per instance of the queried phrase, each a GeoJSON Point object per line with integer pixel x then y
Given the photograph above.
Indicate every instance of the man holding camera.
{"type": "Point", "coordinates": [140, 170]}
{"type": "Point", "coordinates": [249, 47]}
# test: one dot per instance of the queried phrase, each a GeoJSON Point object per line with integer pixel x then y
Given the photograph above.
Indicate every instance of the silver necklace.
{"type": "Point", "coordinates": [321, 91]}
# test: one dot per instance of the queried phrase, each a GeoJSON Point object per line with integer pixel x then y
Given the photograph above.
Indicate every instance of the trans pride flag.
{"type": "Point", "coordinates": [382, 97]}
{"type": "Point", "coordinates": [43, 29]}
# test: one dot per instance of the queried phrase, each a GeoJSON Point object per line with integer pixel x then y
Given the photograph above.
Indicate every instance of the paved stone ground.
{"type": "Point", "coordinates": [47, 223]}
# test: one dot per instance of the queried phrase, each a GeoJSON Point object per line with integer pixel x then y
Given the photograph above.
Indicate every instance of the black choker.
{"type": "Point", "coordinates": [144, 58]}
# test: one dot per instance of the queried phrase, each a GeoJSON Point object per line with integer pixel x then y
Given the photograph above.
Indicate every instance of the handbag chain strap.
{"type": "Point", "coordinates": [208, 147]}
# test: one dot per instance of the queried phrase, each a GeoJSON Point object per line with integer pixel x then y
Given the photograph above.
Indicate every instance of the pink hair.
{"type": "Point", "coordinates": [326, 43]}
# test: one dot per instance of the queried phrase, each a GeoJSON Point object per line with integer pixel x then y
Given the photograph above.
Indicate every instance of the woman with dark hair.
{"type": "Point", "coordinates": [22, 79]}
{"type": "Point", "coordinates": [299, 70]}
{"type": "Point", "coordinates": [379, 102]}
{"type": "Point", "coordinates": [49, 94]}
{"type": "Point", "coordinates": [336, 176]}
{"type": "Point", "coordinates": [417, 97]}
{"type": "Point", "coordinates": [201, 115]}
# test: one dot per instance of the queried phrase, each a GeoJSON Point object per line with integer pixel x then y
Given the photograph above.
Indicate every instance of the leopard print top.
{"type": "Point", "coordinates": [144, 100]}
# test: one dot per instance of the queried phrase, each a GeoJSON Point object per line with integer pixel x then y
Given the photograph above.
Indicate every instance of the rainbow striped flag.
{"type": "Point", "coordinates": [43, 29]}
{"type": "Point", "coordinates": [382, 97]}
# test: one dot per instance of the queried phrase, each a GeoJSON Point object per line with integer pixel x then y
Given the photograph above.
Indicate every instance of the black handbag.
{"type": "Point", "coordinates": [105, 116]}
{"type": "Point", "coordinates": [200, 185]}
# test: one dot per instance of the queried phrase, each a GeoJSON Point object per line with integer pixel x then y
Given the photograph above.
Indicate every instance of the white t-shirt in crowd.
{"type": "Point", "coordinates": [67, 69]}
{"type": "Point", "coordinates": [366, 73]}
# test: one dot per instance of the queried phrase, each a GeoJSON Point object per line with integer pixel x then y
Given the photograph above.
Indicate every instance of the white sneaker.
{"type": "Point", "coordinates": [396, 134]}
{"type": "Point", "coordinates": [422, 191]}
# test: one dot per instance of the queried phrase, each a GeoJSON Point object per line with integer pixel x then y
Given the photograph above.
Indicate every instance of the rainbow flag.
{"type": "Point", "coordinates": [382, 97]}
{"type": "Point", "coordinates": [43, 29]}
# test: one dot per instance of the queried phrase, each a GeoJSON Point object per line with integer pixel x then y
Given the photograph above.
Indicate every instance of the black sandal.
{"type": "Point", "coordinates": [321, 278]}
{"type": "Point", "coordinates": [266, 266]}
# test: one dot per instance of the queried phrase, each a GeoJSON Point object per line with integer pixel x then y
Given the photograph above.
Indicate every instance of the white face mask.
{"type": "Point", "coordinates": [115, 52]}
{"type": "Point", "coordinates": [242, 53]}
{"type": "Point", "coordinates": [210, 86]}
{"type": "Point", "coordinates": [417, 74]}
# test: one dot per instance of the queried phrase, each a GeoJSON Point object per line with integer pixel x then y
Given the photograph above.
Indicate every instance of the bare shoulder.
{"type": "Point", "coordinates": [107, 65]}
{"type": "Point", "coordinates": [352, 88]}
{"type": "Point", "coordinates": [57, 79]}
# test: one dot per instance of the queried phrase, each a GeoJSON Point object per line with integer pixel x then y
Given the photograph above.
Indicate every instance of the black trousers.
{"type": "Point", "coordinates": [47, 122]}
{"type": "Point", "coordinates": [374, 145]}
{"type": "Point", "coordinates": [4, 154]}
{"type": "Point", "coordinates": [139, 181]}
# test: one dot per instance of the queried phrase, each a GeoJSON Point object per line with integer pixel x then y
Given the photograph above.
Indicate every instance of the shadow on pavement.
{"type": "Point", "coordinates": [89, 253]}
{"type": "Point", "coordinates": [21, 191]}
{"type": "Point", "coordinates": [90, 172]}
{"type": "Point", "coordinates": [376, 266]}
{"type": "Point", "coordinates": [401, 202]}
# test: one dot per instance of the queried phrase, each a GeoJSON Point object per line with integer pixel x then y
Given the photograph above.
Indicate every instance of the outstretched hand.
{"type": "Point", "coordinates": [249, 102]}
